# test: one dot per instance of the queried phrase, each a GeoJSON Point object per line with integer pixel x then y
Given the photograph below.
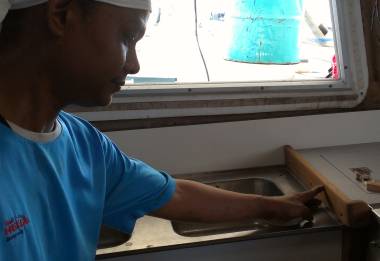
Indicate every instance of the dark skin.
{"type": "Point", "coordinates": [77, 58]}
{"type": "Point", "coordinates": [73, 59]}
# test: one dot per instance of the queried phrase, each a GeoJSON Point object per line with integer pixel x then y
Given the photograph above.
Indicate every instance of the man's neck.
{"type": "Point", "coordinates": [30, 118]}
{"type": "Point", "coordinates": [29, 105]}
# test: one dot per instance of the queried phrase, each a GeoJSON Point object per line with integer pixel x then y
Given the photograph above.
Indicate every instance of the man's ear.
{"type": "Point", "coordinates": [57, 15]}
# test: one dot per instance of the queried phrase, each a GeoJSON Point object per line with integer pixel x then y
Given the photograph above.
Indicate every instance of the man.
{"type": "Point", "coordinates": [60, 178]}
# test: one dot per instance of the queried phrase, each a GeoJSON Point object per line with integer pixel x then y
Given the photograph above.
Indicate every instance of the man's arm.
{"type": "Point", "coordinates": [197, 202]}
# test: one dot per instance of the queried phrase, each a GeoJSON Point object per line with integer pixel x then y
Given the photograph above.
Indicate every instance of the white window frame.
{"type": "Point", "coordinates": [197, 99]}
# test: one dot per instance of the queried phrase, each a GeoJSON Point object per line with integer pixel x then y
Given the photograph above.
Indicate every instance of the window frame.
{"type": "Point", "coordinates": [199, 99]}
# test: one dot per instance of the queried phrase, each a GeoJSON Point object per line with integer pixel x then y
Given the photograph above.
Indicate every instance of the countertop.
{"type": "Point", "coordinates": [154, 234]}
{"type": "Point", "coordinates": [337, 164]}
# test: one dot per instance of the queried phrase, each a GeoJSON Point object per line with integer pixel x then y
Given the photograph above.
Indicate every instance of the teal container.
{"type": "Point", "coordinates": [264, 31]}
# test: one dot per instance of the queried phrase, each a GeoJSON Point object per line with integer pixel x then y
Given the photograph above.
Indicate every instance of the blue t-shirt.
{"type": "Point", "coordinates": [54, 196]}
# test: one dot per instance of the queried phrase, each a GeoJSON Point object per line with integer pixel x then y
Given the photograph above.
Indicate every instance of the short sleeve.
{"type": "Point", "coordinates": [133, 188]}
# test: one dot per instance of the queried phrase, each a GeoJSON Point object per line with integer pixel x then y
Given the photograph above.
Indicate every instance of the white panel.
{"type": "Point", "coordinates": [246, 144]}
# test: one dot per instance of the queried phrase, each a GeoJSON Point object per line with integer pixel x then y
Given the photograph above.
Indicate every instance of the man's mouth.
{"type": "Point", "coordinates": [119, 82]}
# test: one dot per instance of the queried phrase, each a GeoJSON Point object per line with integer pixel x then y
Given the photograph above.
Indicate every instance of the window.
{"type": "Point", "coordinates": [207, 57]}
{"type": "Point", "coordinates": [235, 41]}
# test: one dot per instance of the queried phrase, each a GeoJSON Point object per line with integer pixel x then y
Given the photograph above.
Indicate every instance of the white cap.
{"type": "Point", "coordinates": [6, 5]}
{"type": "Point", "coordinates": [136, 4]}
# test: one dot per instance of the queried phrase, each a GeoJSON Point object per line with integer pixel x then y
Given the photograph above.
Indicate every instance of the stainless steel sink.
{"type": "Point", "coordinates": [156, 234]}
{"type": "Point", "coordinates": [260, 186]}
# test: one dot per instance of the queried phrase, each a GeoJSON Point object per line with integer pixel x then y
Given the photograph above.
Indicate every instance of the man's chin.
{"type": "Point", "coordinates": [107, 101]}
{"type": "Point", "coordinates": [103, 101]}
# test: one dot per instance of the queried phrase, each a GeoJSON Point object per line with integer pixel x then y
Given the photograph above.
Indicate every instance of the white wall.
{"type": "Point", "coordinates": [236, 145]}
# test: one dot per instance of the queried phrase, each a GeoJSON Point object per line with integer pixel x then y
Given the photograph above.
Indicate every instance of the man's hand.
{"type": "Point", "coordinates": [286, 208]}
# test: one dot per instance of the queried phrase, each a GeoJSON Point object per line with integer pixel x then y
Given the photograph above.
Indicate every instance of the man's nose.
{"type": "Point", "coordinates": [132, 65]}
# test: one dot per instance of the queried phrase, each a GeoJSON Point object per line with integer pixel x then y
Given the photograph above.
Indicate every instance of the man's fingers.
{"type": "Point", "coordinates": [317, 189]}
{"type": "Point", "coordinates": [308, 195]}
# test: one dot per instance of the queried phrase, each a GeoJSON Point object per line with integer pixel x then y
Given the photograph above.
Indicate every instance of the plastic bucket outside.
{"type": "Point", "coordinates": [264, 31]}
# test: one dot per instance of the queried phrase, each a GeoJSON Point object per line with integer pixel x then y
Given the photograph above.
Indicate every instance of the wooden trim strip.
{"type": "Point", "coordinates": [221, 103]}
{"type": "Point", "coordinates": [353, 213]}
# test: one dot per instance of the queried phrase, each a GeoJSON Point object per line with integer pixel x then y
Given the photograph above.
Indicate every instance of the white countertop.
{"type": "Point", "coordinates": [335, 163]}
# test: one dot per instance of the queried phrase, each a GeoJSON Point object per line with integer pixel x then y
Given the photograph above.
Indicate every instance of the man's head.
{"type": "Point", "coordinates": [82, 49]}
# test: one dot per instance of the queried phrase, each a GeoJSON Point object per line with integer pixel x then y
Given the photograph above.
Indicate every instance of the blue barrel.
{"type": "Point", "coordinates": [264, 31]}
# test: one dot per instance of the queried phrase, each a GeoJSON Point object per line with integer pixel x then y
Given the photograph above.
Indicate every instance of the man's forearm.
{"type": "Point", "coordinates": [201, 203]}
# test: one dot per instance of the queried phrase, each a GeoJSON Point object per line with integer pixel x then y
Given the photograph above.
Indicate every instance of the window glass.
{"type": "Point", "coordinates": [212, 41]}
